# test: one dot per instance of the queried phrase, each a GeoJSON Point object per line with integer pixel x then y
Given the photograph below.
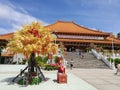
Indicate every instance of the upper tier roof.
{"type": "Point", "coordinates": [71, 27]}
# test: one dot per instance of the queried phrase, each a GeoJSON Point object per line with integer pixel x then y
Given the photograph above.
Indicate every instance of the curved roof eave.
{"type": "Point", "coordinates": [71, 27]}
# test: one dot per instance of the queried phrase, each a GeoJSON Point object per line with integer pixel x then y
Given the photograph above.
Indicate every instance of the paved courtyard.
{"type": "Point", "coordinates": [102, 79]}
{"type": "Point", "coordinates": [78, 79]}
{"type": "Point", "coordinates": [8, 72]}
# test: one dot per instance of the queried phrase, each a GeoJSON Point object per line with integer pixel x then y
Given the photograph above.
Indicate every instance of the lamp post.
{"type": "Point", "coordinates": [113, 54]}
{"type": "Point", "coordinates": [0, 54]}
{"type": "Point", "coordinates": [112, 47]}
{"type": "Point", "coordinates": [55, 35]}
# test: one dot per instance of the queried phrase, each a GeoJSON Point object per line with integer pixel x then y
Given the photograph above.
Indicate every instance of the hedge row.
{"type": "Point", "coordinates": [48, 67]}
{"type": "Point", "coordinates": [116, 60]}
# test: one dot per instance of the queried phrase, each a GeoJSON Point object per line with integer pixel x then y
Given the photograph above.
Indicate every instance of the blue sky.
{"type": "Point", "coordinates": [101, 15]}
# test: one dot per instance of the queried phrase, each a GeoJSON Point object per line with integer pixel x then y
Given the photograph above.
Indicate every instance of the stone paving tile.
{"type": "Point", "coordinates": [113, 81]}
{"type": "Point", "coordinates": [74, 83]}
{"type": "Point", "coordinates": [102, 79]}
{"type": "Point", "coordinates": [107, 87]}
{"type": "Point", "coordinates": [96, 81]}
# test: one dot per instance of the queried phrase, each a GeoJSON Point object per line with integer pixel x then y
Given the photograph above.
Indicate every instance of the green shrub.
{"type": "Point", "coordinates": [119, 51]}
{"type": "Point", "coordinates": [28, 60]}
{"type": "Point", "coordinates": [38, 59]}
{"type": "Point", "coordinates": [55, 68]}
{"type": "Point", "coordinates": [117, 61]}
{"type": "Point", "coordinates": [48, 67]}
{"type": "Point", "coordinates": [56, 59]}
{"type": "Point", "coordinates": [110, 59]}
{"type": "Point", "coordinates": [34, 81]}
{"type": "Point", "coordinates": [23, 62]}
{"type": "Point", "coordinates": [45, 59]}
{"type": "Point", "coordinates": [40, 63]}
{"type": "Point", "coordinates": [20, 82]}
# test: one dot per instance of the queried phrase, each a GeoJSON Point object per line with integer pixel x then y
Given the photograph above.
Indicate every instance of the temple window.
{"type": "Point", "coordinates": [81, 37]}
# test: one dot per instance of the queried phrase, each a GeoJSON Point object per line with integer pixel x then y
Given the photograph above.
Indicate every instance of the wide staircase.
{"type": "Point", "coordinates": [89, 61]}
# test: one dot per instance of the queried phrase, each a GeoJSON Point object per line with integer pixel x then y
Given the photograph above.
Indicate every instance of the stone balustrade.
{"type": "Point", "coordinates": [102, 57]}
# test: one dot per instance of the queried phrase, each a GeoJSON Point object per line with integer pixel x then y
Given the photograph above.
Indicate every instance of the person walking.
{"type": "Point", "coordinates": [71, 64]}
{"type": "Point", "coordinates": [79, 54]}
{"type": "Point", "coordinates": [118, 69]}
{"type": "Point", "coordinates": [82, 55]}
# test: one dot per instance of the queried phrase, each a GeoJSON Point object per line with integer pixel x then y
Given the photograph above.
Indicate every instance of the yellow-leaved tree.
{"type": "Point", "coordinates": [33, 38]}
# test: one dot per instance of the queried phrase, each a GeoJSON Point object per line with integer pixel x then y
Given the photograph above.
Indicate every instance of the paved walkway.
{"type": "Point", "coordinates": [102, 79]}
{"type": "Point", "coordinates": [74, 83]}
{"type": "Point", "coordinates": [78, 79]}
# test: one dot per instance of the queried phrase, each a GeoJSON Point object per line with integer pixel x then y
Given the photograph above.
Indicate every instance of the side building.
{"type": "Point", "coordinates": [118, 35]}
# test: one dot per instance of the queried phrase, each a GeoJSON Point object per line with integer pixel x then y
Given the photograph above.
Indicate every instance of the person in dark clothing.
{"type": "Point", "coordinates": [71, 64]}
{"type": "Point", "coordinates": [118, 69]}
{"type": "Point", "coordinates": [80, 54]}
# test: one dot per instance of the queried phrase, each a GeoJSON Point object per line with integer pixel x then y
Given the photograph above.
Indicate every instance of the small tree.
{"type": "Point", "coordinates": [31, 40]}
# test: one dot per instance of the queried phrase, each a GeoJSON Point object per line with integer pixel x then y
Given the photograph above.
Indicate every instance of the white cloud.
{"type": "Point", "coordinates": [16, 26]}
{"type": "Point", "coordinates": [15, 18]}
{"type": "Point", "coordinates": [3, 31]}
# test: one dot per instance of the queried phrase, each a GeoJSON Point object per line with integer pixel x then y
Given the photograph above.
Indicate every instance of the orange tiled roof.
{"type": "Point", "coordinates": [89, 41]}
{"type": "Point", "coordinates": [71, 27]}
{"type": "Point", "coordinates": [113, 38]}
{"type": "Point", "coordinates": [62, 26]}
{"type": "Point", "coordinates": [6, 36]}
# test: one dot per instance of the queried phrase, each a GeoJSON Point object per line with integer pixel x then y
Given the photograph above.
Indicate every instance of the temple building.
{"type": "Point", "coordinates": [75, 36]}
{"type": "Point", "coordinates": [79, 37]}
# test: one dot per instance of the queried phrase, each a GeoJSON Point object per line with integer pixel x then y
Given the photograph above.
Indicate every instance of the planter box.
{"type": "Point", "coordinates": [61, 78]}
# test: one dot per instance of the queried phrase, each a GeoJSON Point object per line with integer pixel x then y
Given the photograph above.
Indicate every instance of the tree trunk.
{"type": "Point", "coordinates": [32, 63]}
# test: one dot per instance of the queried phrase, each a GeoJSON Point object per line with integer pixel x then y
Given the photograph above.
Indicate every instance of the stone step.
{"type": "Point", "coordinates": [89, 61]}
